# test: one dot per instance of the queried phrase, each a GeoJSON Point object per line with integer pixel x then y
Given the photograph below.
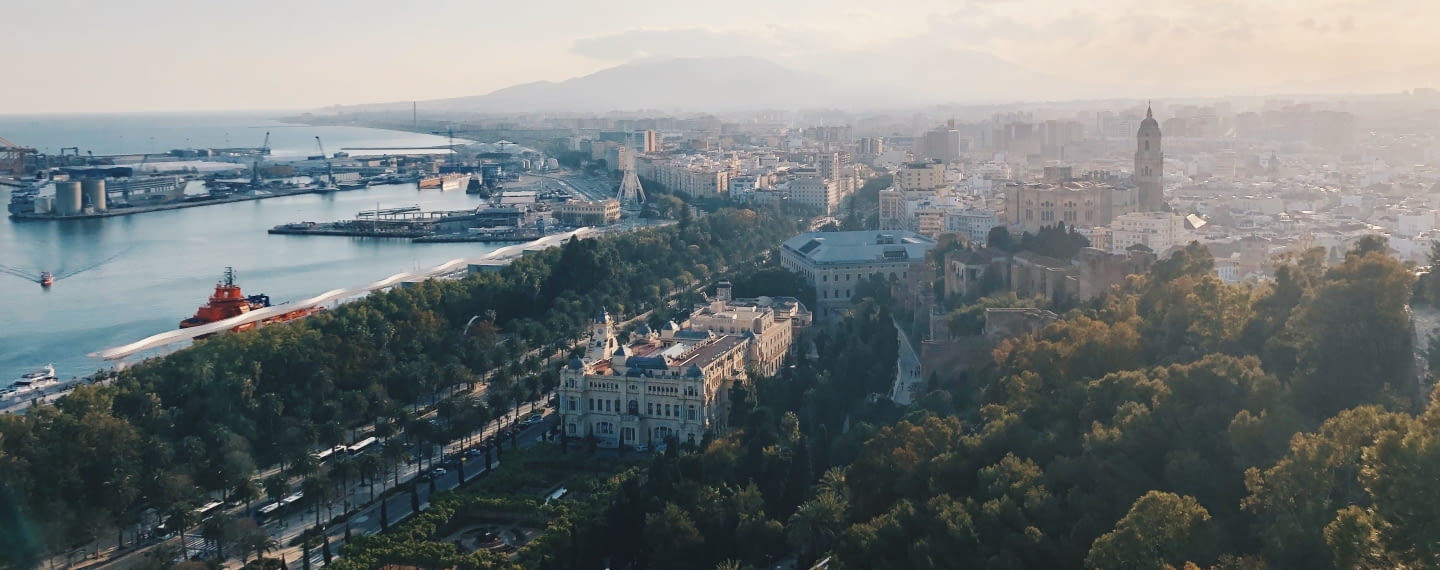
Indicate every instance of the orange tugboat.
{"type": "Point", "coordinates": [228, 301]}
{"type": "Point", "coordinates": [46, 279]}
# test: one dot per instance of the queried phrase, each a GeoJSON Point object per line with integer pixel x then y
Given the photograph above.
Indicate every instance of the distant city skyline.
{"type": "Point", "coordinates": [170, 55]}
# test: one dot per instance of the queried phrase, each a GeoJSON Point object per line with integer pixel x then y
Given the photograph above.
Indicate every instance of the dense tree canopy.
{"type": "Point", "coordinates": [170, 431]}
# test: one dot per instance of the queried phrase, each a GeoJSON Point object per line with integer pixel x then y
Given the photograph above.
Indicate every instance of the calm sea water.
{"type": "Point", "coordinates": [158, 133]}
{"type": "Point", "coordinates": [124, 278]}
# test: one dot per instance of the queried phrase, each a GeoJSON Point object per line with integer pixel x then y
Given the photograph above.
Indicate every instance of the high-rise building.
{"type": "Point", "coordinates": [652, 142]}
{"type": "Point", "coordinates": [925, 177]}
{"type": "Point", "coordinates": [872, 146]}
{"type": "Point", "coordinates": [1149, 164]}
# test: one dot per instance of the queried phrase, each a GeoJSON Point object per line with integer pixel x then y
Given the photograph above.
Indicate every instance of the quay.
{"type": "Point", "coordinates": [203, 201]}
{"type": "Point", "coordinates": [457, 267]}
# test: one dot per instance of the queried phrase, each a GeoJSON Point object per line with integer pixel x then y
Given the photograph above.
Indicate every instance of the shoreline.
{"type": "Point", "coordinates": [157, 208]}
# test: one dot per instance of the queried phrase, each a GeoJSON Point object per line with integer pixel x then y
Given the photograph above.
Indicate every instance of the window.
{"type": "Point", "coordinates": [605, 428]}
{"type": "Point", "coordinates": [574, 403]}
{"type": "Point", "coordinates": [649, 409]}
{"type": "Point", "coordinates": [592, 404]}
{"type": "Point", "coordinates": [692, 413]}
{"type": "Point", "coordinates": [570, 429]}
{"type": "Point", "coordinates": [634, 409]}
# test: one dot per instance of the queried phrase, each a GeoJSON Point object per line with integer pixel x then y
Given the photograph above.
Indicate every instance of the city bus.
{"type": "Point", "coordinates": [362, 445]}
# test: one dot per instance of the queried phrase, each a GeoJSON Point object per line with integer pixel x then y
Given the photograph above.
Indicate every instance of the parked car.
{"type": "Point", "coordinates": [641, 448]}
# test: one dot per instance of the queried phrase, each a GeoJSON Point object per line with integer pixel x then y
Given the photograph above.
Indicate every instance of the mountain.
{"type": "Point", "coordinates": [855, 80]}
{"type": "Point", "coordinates": [714, 84]}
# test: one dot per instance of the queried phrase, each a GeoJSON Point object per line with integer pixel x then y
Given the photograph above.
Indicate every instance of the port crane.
{"type": "Point", "coordinates": [265, 148]}
{"type": "Point", "coordinates": [329, 168]}
{"type": "Point", "coordinates": [450, 132]}
{"type": "Point", "coordinates": [12, 156]}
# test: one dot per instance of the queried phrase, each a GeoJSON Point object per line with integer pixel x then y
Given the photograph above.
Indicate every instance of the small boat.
{"type": "Point", "coordinates": [46, 279]}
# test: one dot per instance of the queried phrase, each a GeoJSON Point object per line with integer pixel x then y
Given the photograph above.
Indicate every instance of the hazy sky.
{"type": "Point", "coordinates": [155, 55]}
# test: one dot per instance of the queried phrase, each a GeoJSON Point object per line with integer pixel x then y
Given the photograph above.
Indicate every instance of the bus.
{"type": "Point", "coordinates": [321, 456]}
{"type": "Point", "coordinates": [278, 507]}
{"type": "Point", "coordinates": [362, 445]}
{"type": "Point", "coordinates": [204, 511]}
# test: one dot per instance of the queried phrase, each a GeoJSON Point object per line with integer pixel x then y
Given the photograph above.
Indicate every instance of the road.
{"type": "Point", "coordinates": [907, 371]}
{"type": "Point", "coordinates": [590, 188]}
{"type": "Point", "coordinates": [397, 507]}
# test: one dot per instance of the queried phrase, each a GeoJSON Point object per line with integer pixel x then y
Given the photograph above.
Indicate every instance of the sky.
{"type": "Point", "coordinates": [73, 56]}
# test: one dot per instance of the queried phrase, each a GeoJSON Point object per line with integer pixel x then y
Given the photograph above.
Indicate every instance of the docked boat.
{"type": "Point", "coordinates": [445, 182]}
{"type": "Point", "coordinates": [46, 279]}
{"type": "Point", "coordinates": [229, 301]}
{"type": "Point", "coordinates": [31, 381]}
{"type": "Point", "coordinates": [453, 182]}
{"type": "Point", "coordinates": [361, 185]}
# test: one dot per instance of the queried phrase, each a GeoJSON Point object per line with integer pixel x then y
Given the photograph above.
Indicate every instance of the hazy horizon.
{"type": "Point", "coordinates": [172, 56]}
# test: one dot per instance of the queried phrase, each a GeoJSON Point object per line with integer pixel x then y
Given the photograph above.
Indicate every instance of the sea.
{"type": "Point", "coordinates": [124, 278]}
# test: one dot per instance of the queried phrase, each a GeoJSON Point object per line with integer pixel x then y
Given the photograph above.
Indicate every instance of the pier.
{"type": "Point", "coordinates": [453, 267]}
{"type": "Point", "coordinates": [162, 207]}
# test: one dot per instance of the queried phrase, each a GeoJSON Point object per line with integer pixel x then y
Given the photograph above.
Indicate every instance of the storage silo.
{"type": "Point", "coordinates": [94, 193]}
{"type": "Point", "coordinates": [67, 198]}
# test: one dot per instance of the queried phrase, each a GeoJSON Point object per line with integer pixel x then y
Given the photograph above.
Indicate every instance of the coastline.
{"type": "Point", "coordinates": [158, 208]}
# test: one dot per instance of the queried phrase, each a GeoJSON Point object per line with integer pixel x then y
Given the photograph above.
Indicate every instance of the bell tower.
{"type": "Point", "coordinates": [602, 338]}
{"type": "Point", "coordinates": [1149, 165]}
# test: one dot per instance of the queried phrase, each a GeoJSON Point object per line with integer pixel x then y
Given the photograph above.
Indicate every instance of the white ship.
{"type": "Point", "coordinates": [33, 381]}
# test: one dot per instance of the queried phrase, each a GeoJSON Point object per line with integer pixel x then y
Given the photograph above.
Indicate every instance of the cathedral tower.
{"type": "Point", "coordinates": [1149, 165]}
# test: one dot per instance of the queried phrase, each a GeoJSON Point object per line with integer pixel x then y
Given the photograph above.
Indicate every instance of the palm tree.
{"type": "Point", "coordinates": [246, 492]}
{"type": "Point", "coordinates": [346, 469]}
{"type": "Point", "coordinates": [816, 524]}
{"type": "Point", "coordinates": [277, 487]}
{"type": "Point", "coordinates": [317, 490]}
{"type": "Point", "coordinates": [393, 453]}
{"type": "Point", "coordinates": [370, 466]}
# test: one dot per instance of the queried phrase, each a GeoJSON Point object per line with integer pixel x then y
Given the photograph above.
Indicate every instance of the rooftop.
{"type": "Point", "coordinates": [862, 246]}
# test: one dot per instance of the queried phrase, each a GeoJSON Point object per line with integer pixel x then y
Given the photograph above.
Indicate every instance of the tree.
{"type": "Point", "coordinates": [277, 487]}
{"type": "Point", "coordinates": [1161, 530]}
{"type": "Point", "coordinates": [1355, 340]}
{"type": "Point", "coordinates": [246, 492]}
{"type": "Point", "coordinates": [671, 537]}
{"type": "Point", "coordinates": [247, 537]}
{"type": "Point", "coordinates": [813, 528]}
{"type": "Point", "coordinates": [1000, 238]}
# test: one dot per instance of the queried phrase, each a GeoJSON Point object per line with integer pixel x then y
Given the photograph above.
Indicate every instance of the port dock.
{"type": "Point", "coordinates": [189, 203]}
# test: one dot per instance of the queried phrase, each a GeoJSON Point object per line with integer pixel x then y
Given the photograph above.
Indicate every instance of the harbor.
{"type": "Point", "coordinates": [540, 207]}
{"type": "Point", "coordinates": [98, 277]}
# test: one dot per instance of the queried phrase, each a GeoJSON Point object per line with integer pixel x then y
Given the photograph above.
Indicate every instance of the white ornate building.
{"type": "Point", "coordinates": [676, 383]}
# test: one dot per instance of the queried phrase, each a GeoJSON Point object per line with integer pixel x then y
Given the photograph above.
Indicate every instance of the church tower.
{"type": "Point", "coordinates": [1149, 164]}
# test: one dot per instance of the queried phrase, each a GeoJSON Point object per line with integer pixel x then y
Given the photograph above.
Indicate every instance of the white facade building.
{"type": "Point", "coordinates": [1158, 231]}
